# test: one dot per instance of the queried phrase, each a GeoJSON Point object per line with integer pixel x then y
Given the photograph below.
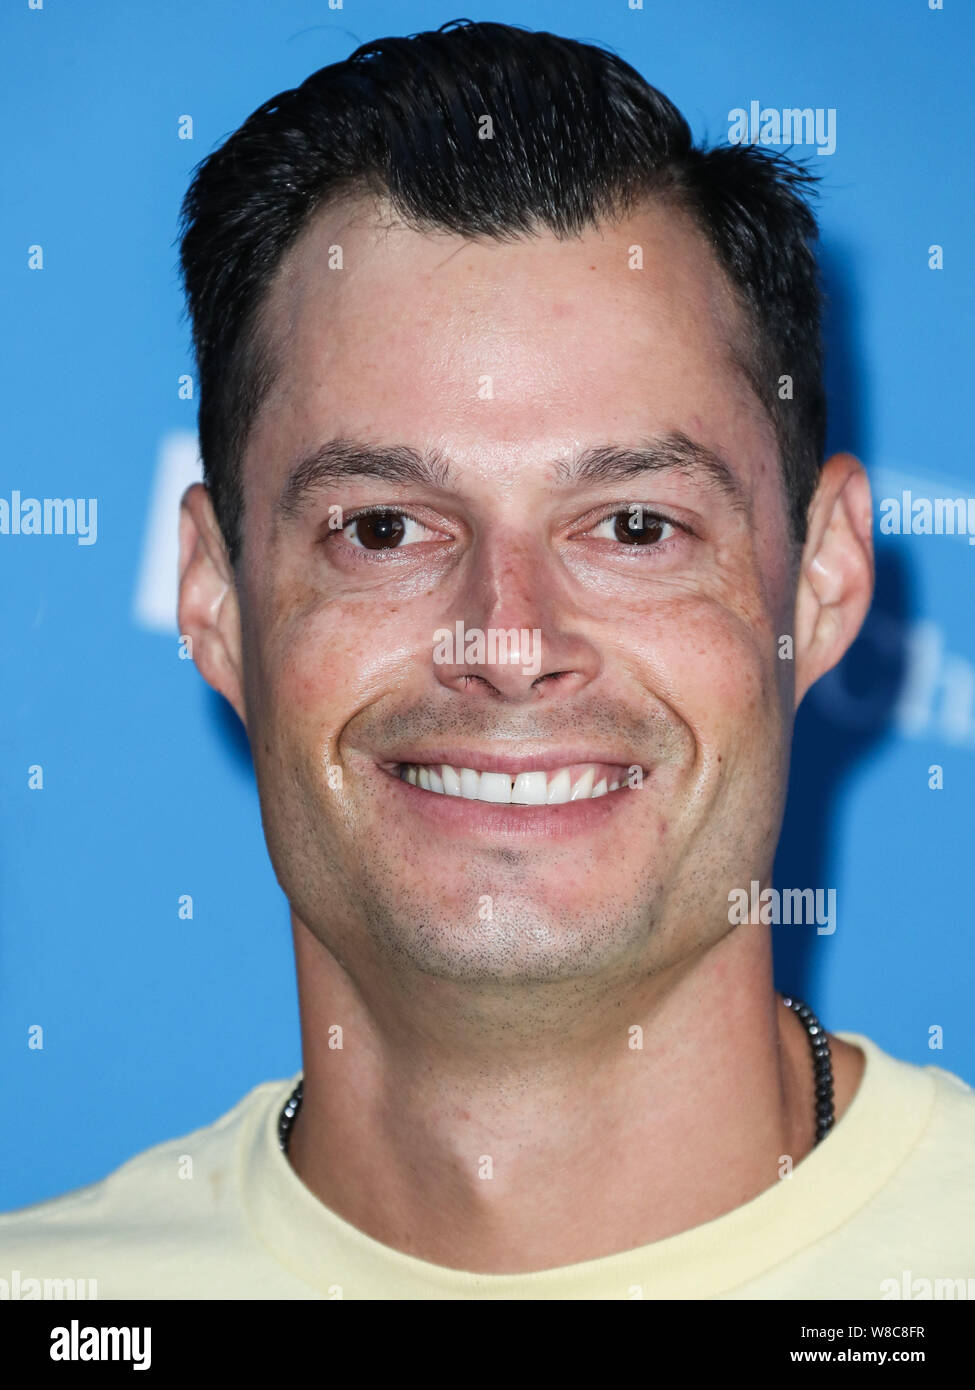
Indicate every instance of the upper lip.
{"type": "Point", "coordinates": [483, 760]}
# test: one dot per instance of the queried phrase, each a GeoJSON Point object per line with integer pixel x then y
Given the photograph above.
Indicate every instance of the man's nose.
{"type": "Point", "coordinates": [514, 634]}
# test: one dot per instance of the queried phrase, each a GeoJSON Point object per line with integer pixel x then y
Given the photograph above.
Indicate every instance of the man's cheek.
{"type": "Point", "coordinates": [712, 663]}
{"type": "Point", "coordinates": [311, 665]}
{"type": "Point", "coordinates": [331, 671]}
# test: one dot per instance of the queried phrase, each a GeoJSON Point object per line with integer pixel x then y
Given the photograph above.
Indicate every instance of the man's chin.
{"type": "Point", "coordinates": [504, 938]}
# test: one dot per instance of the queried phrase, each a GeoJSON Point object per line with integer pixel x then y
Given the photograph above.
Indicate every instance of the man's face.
{"type": "Point", "coordinates": [657, 661]}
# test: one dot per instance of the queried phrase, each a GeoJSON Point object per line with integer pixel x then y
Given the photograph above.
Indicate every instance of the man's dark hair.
{"type": "Point", "coordinates": [578, 137]}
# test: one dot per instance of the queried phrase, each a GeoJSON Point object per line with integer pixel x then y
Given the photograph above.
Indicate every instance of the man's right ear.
{"type": "Point", "coordinates": [208, 609]}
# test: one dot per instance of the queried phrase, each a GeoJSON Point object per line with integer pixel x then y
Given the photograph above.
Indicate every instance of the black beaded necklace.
{"type": "Point", "coordinates": [822, 1065]}
{"type": "Point", "coordinates": [822, 1068]}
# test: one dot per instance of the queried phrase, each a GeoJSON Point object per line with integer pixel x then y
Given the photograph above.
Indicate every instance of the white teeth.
{"type": "Point", "coordinates": [494, 786]}
{"type": "Point", "coordinates": [530, 789]}
{"type": "Point", "coordinates": [583, 788]}
{"type": "Point", "coordinates": [521, 789]}
{"type": "Point", "coordinates": [559, 787]}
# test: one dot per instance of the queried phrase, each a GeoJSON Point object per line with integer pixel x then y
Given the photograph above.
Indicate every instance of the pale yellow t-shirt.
{"type": "Point", "coordinates": [884, 1207]}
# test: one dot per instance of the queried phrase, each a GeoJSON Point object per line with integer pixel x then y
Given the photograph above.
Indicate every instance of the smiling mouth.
{"type": "Point", "coordinates": [575, 782]}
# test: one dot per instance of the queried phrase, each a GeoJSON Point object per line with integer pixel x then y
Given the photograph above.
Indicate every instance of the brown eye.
{"type": "Point", "coordinates": [379, 530]}
{"type": "Point", "coordinates": [636, 526]}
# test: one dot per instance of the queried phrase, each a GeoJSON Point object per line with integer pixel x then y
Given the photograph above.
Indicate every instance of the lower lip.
{"type": "Point", "coordinates": [462, 817]}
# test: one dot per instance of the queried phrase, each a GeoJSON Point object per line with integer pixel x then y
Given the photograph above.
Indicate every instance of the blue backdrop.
{"type": "Point", "coordinates": [126, 784]}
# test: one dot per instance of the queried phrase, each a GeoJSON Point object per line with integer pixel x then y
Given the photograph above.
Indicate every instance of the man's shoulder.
{"type": "Point", "coordinates": [953, 1099]}
{"type": "Point", "coordinates": [188, 1184]}
{"type": "Point", "coordinates": [951, 1130]}
{"type": "Point", "coordinates": [925, 1115]}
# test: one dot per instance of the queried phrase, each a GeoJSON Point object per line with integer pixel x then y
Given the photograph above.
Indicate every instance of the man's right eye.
{"type": "Point", "coordinates": [383, 530]}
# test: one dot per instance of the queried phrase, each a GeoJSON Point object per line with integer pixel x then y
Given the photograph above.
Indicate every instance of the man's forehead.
{"type": "Point", "coordinates": [357, 239]}
{"type": "Point", "coordinates": [338, 336]}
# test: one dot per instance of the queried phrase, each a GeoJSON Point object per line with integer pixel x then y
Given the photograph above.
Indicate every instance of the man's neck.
{"type": "Point", "coordinates": [649, 1117]}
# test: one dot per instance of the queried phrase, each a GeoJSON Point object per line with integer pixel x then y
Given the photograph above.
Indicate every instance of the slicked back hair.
{"type": "Point", "coordinates": [578, 137]}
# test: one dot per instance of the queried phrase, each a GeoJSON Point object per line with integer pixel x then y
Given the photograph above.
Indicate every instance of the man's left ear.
{"type": "Point", "coordinates": [836, 574]}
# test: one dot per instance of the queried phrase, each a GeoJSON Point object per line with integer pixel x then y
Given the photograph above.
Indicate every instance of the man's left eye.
{"type": "Point", "coordinates": [635, 526]}
{"type": "Point", "coordinates": [383, 530]}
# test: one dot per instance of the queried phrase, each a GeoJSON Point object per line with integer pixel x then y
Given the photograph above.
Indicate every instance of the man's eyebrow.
{"type": "Point", "coordinates": [339, 460]}
{"type": "Point", "coordinates": [673, 451]}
